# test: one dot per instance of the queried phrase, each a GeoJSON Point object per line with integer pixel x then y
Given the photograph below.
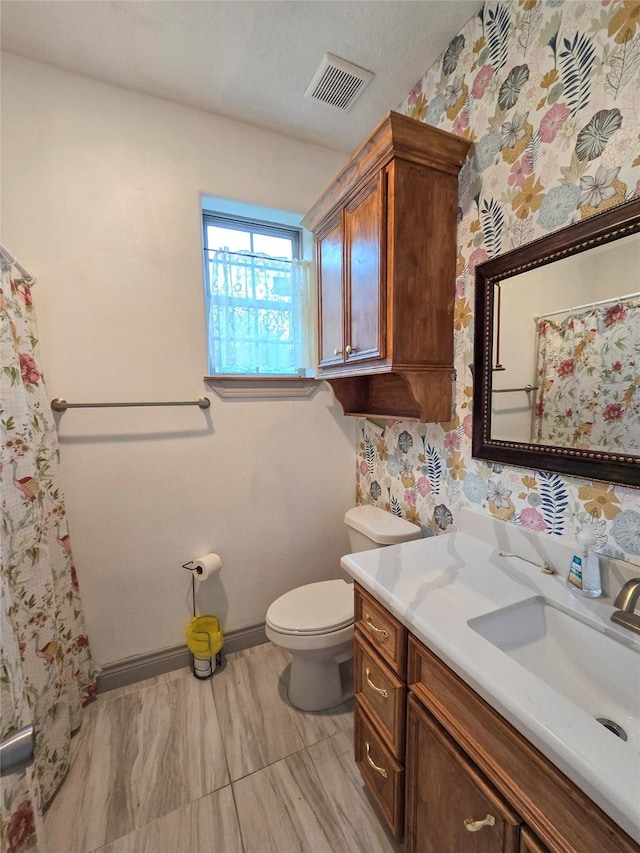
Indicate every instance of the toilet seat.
{"type": "Point", "coordinates": [316, 608]}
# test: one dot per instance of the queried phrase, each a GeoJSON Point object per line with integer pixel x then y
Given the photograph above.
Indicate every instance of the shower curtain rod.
{"type": "Point", "coordinates": [59, 405]}
{"type": "Point", "coordinates": [30, 277]}
{"type": "Point", "coordinates": [588, 305]}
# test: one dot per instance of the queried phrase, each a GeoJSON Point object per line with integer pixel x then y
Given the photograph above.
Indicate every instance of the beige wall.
{"type": "Point", "coordinates": [101, 199]}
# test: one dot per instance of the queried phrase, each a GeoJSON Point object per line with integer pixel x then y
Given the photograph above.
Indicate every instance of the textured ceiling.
{"type": "Point", "coordinates": [243, 59]}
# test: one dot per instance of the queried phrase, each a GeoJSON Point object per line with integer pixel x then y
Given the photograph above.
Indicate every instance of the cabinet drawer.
{"type": "Point", "coordinates": [382, 774]}
{"type": "Point", "coordinates": [382, 695]}
{"type": "Point", "coordinates": [382, 630]}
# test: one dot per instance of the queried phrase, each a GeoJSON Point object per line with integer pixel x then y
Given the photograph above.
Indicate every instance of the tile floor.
{"type": "Point", "coordinates": [177, 765]}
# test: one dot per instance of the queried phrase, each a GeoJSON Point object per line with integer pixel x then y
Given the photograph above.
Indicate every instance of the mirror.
{"type": "Point", "coordinates": [557, 351]}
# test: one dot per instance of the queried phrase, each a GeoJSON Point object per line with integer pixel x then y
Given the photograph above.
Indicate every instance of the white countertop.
{"type": "Point", "coordinates": [434, 586]}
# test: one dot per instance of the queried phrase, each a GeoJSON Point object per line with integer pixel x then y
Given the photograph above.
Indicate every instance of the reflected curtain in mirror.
{"type": "Point", "coordinates": [588, 378]}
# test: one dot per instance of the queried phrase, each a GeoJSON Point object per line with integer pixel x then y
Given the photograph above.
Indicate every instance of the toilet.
{"type": "Point", "coordinates": [314, 622]}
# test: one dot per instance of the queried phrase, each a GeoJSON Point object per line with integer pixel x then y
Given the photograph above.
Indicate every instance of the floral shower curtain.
{"type": "Point", "coordinates": [588, 377]}
{"type": "Point", "coordinates": [46, 672]}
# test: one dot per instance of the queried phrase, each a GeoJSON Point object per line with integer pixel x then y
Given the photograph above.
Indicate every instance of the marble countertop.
{"type": "Point", "coordinates": [435, 586]}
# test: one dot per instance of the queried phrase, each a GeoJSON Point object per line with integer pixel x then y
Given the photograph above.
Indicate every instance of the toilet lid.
{"type": "Point", "coordinates": [315, 608]}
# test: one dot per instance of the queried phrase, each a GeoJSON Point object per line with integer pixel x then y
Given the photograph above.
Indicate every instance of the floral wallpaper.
{"type": "Point", "coordinates": [549, 93]}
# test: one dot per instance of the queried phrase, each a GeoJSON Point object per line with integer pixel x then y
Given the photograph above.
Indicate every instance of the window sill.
{"type": "Point", "coordinates": [274, 387]}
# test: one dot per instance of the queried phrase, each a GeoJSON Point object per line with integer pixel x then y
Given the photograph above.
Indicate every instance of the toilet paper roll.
{"type": "Point", "coordinates": [206, 566]}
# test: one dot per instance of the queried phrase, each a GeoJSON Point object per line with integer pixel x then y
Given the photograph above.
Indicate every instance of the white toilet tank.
{"type": "Point", "coordinates": [372, 527]}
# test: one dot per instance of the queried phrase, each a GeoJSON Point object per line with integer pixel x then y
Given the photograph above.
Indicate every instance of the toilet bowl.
{"type": "Point", "coordinates": [314, 622]}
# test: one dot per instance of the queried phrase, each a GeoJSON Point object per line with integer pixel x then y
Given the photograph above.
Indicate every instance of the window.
{"type": "Point", "coordinates": [258, 321]}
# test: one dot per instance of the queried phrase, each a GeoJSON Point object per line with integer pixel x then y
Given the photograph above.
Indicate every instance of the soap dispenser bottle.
{"type": "Point", "coordinates": [584, 572]}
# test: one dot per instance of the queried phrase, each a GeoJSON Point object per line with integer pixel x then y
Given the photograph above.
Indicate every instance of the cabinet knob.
{"type": "Point", "coordinates": [349, 349]}
{"type": "Point", "coordinates": [476, 825]}
{"type": "Point", "coordinates": [371, 762]}
{"type": "Point", "coordinates": [337, 351]}
{"type": "Point", "coordinates": [384, 693]}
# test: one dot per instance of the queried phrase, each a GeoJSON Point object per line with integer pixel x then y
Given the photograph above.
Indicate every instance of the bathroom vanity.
{"type": "Point", "coordinates": [473, 731]}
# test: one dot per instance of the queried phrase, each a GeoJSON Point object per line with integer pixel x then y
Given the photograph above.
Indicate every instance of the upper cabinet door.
{"type": "Point", "coordinates": [330, 294]}
{"type": "Point", "coordinates": [365, 224]}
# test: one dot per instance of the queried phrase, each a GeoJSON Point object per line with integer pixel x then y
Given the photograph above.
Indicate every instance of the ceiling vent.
{"type": "Point", "coordinates": [338, 83]}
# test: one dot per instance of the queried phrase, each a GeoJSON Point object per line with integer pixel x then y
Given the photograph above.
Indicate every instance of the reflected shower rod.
{"type": "Point", "coordinates": [60, 405]}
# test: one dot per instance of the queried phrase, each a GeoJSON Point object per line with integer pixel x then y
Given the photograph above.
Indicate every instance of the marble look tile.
{"type": "Point", "coordinates": [257, 727]}
{"type": "Point", "coordinates": [312, 801]}
{"type": "Point", "coordinates": [140, 756]}
{"type": "Point", "coordinates": [180, 754]}
{"type": "Point", "coordinates": [206, 825]}
{"type": "Point", "coordinates": [280, 809]}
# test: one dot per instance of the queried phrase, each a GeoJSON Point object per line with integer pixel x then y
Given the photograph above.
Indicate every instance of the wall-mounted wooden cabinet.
{"type": "Point", "coordinates": [386, 254]}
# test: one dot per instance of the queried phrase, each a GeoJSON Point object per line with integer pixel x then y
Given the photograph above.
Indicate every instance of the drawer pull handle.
{"type": "Point", "coordinates": [476, 825]}
{"type": "Point", "coordinates": [379, 770]}
{"type": "Point", "coordinates": [372, 627]}
{"type": "Point", "coordinates": [349, 349]}
{"type": "Point", "coordinates": [337, 351]}
{"type": "Point", "coordinates": [375, 687]}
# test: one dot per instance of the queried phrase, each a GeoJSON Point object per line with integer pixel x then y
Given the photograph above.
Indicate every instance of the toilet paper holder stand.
{"type": "Point", "coordinates": [190, 568]}
{"type": "Point", "coordinates": [207, 672]}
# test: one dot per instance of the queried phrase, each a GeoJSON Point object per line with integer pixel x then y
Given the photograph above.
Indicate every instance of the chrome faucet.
{"type": "Point", "coordinates": [626, 601]}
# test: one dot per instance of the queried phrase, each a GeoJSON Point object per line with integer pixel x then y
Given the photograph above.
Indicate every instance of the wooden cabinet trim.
{"type": "Point", "coordinates": [395, 136]}
{"type": "Point", "coordinates": [561, 815]}
{"type": "Point", "coordinates": [529, 843]}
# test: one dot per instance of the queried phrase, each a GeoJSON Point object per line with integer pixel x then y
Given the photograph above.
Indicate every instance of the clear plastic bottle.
{"type": "Point", "coordinates": [584, 572]}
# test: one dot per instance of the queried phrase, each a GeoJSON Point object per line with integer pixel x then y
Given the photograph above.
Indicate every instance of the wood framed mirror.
{"type": "Point", "coordinates": [557, 351]}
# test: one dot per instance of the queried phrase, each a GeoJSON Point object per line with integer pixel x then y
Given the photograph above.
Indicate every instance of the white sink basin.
{"type": "Point", "coordinates": [595, 671]}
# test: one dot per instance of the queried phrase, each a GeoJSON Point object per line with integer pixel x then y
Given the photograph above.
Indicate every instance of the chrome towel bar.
{"type": "Point", "coordinates": [59, 405]}
{"type": "Point", "coordinates": [16, 751]}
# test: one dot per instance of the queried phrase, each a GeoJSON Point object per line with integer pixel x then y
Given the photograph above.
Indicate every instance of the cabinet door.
{"type": "Point", "coordinates": [451, 807]}
{"type": "Point", "coordinates": [330, 294]}
{"type": "Point", "coordinates": [365, 236]}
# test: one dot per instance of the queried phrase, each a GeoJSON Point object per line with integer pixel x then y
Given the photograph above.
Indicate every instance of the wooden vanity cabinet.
{"type": "Point", "coordinates": [386, 255]}
{"type": "Point", "coordinates": [552, 810]}
{"type": "Point", "coordinates": [461, 762]}
{"type": "Point", "coordinates": [380, 690]}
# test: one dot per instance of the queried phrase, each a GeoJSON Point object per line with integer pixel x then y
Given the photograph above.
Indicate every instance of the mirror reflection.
{"type": "Point", "coordinates": [566, 359]}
